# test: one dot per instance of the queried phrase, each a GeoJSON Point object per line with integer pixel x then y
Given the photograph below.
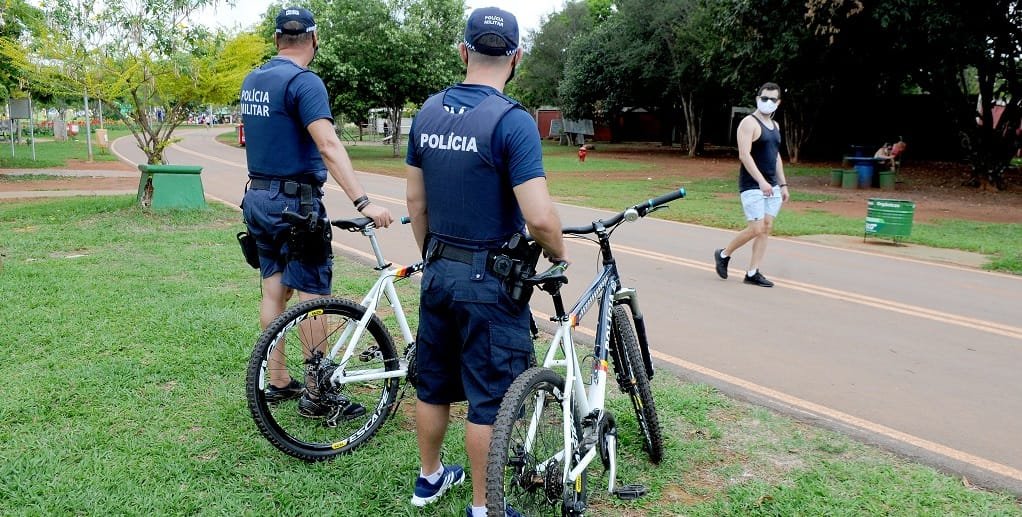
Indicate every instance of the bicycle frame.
{"type": "Point", "coordinates": [383, 287]}
{"type": "Point", "coordinates": [577, 404]}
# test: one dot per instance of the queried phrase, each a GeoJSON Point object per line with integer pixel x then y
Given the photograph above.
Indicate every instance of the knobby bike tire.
{"type": "Point", "coordinates": [312, 439]}
{"type": "Point", "coordinates": [634, 382]}
{"type": "Point", "coordinates": [514, 475]}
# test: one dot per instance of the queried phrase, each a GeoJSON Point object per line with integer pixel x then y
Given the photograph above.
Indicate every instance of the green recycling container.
{"type": "Point", "coordinates": [836, 176]}
{"type": "Point", "coordinates": [170, 186]}
{"type": "Point", "coordinates": [849, 179]}
{"type": "Point", "coordinates": [889, 217]}
{"type": "Point", "coordinates": [887, 180]}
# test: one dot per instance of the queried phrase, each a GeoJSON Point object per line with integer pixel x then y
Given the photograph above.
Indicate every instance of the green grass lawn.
{"type": "Point", "coordinates": [128, 333]}
{"type": "Point", "coordinates": [50, 154]}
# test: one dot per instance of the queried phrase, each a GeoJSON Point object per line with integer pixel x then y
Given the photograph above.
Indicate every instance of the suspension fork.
{"type": "Point", "coordinates": [631, 297]}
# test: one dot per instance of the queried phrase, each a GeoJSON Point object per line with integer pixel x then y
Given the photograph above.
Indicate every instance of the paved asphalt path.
{"type": "Point", "coordinates": [919, 357]}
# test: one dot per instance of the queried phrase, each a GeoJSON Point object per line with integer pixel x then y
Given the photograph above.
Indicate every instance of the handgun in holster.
{"type": "Point", "coordinates": [513, 263]}
{"type": "Point", "coordinates": [309, 239]}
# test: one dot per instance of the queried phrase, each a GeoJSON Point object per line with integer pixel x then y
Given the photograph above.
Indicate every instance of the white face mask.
{"type": "Point", "coordinates": [767, 107]}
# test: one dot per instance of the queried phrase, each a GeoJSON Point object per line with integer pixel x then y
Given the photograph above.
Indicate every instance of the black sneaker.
{"type": "Point", "coordinates": [293, 390]}
{"type": "Point", "coordinates": [721, 263]}
{"type": "Point", "coordinates": [758, 279]}
{"type": "Point", "coordinates": [314, 408]}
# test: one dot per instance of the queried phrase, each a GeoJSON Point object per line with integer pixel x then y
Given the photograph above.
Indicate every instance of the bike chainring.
{"type": "Point", "coordinates": [607, 429]}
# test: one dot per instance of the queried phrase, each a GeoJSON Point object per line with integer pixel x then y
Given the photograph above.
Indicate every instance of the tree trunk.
{"type": "Point", "coordinates": [990, 148]}
{"type": "Point", "coordinates": [799, 120]}
{"type": "Point", "coordinates": [693, 123]}
{"type": "Point", "coordinates": [395, 130]}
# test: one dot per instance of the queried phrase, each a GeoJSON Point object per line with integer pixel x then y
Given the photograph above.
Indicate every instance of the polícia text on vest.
{"type": "Point", "coordinates": [449, 142]}
{"type": "Point", "coordinates": [248, 97]}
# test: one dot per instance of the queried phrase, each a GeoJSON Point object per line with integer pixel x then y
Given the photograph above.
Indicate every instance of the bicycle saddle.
{"type": "Point", "coordinates": [553, 277]}
{"type": "Point", "coordinates": [352, 225]}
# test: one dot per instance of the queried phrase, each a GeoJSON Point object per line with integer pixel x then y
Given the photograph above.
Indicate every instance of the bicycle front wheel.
{"type": "Point", "coordinates": [527, 458]}
{"type": "Point", "coordinates": [632, 378]}
{"type": "Point", "coordinates": [297, 346]}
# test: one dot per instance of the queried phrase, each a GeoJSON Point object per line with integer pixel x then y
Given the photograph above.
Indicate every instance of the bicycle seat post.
{"type": "Point", "coordinates": [380, 262]}
{"type": "Point", "coordinates": [558, 305]}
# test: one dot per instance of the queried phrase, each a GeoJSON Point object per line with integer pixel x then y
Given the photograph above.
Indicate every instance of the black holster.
{"type": "Point", "coordinates": [311, 244]}
{"type": "Point", "coordinates": [249, 249]}
{"type": "Point", "coordinates": [513, 263]}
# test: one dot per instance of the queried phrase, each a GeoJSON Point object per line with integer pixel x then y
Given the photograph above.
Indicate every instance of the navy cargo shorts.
{"type": "Point", "coordinates": [472, 340]}
{"type": "Point", "coordinates": [261, 210]}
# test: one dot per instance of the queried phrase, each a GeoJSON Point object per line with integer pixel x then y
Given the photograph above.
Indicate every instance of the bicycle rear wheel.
{"type": "Point", "coordinates": [632, 378]}
{"type": "Point", "coordinates": [295, 344]}
{"type": "Point", "coordinates": [526, 462]}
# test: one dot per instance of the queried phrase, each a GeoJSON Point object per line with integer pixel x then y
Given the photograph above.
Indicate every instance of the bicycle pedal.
{"type": "Point", "coordinates": [630, 492]}
{"type": "Point", "coordinates": [343, 413]}
{"type": "Point", "coordinates": [373, 352]}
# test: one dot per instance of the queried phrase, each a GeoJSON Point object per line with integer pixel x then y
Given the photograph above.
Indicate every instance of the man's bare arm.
{"type": "Point", "coordinates": [339, 166]}
{"type": "Point", "coordinates": [415, 196]}
{"type": "Point", "coordinates": [541, 217]}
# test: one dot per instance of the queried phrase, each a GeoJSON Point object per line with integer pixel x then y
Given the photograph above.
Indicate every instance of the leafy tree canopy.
{"type": "Point", "coordinates": [145, 55]}
{"type": "Point", "coordinates": [387, 53]}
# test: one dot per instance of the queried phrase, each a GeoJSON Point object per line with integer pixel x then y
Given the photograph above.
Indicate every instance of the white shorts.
{"type": "Point", "coordinates": [756, 205]}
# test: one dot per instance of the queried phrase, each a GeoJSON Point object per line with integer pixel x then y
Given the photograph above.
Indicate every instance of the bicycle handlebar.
{"type": "Point", "coordinates": [640, 210]}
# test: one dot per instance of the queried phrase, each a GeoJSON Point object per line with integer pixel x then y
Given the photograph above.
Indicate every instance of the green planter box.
{"type": "Point", "coordinates": [170, 186]}
{"type": "Point", "coordinates": [889, 218]}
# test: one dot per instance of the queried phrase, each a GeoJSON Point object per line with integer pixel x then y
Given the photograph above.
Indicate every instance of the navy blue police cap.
{"type": "Point", "coordinates": [295, 14]}
{"type": "Point", "coordinates": [491, 21]}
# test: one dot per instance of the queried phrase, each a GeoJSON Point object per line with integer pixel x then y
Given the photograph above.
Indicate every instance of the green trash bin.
{"type": "Point", "coordinates": [836, 175]}
{"type": "Point", "coordinates": [887, 180]}
{"type": "Point", "coordinates": [889, 218]}
{"type": "Point", "coordinates": [170, 186]}
{"type": "Point", "coordinates": [849, 179]}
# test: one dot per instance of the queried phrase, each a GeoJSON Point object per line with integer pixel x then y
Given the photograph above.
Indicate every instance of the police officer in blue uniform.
{"type": "Point", "coordinates": [475, 178]}
{"type": "Point", "coordinates": [291, 145]}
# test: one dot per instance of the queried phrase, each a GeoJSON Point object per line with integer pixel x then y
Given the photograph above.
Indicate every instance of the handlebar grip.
{"type": "Point", "coordinates": [578, 230]}
{"type": "Point", "coordinates": [657, 201]}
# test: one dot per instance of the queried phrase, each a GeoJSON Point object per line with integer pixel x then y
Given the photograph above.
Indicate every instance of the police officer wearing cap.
{"type": "Point", "coordinates": [475, 178]}
{"type": "Point", "coordinates": [291, 145]}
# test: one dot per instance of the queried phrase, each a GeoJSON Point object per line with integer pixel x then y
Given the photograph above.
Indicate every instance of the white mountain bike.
{"type": "Point", "coordinates": [550, 428]}
{"type": "Point", "coordinates": [345, 350]}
